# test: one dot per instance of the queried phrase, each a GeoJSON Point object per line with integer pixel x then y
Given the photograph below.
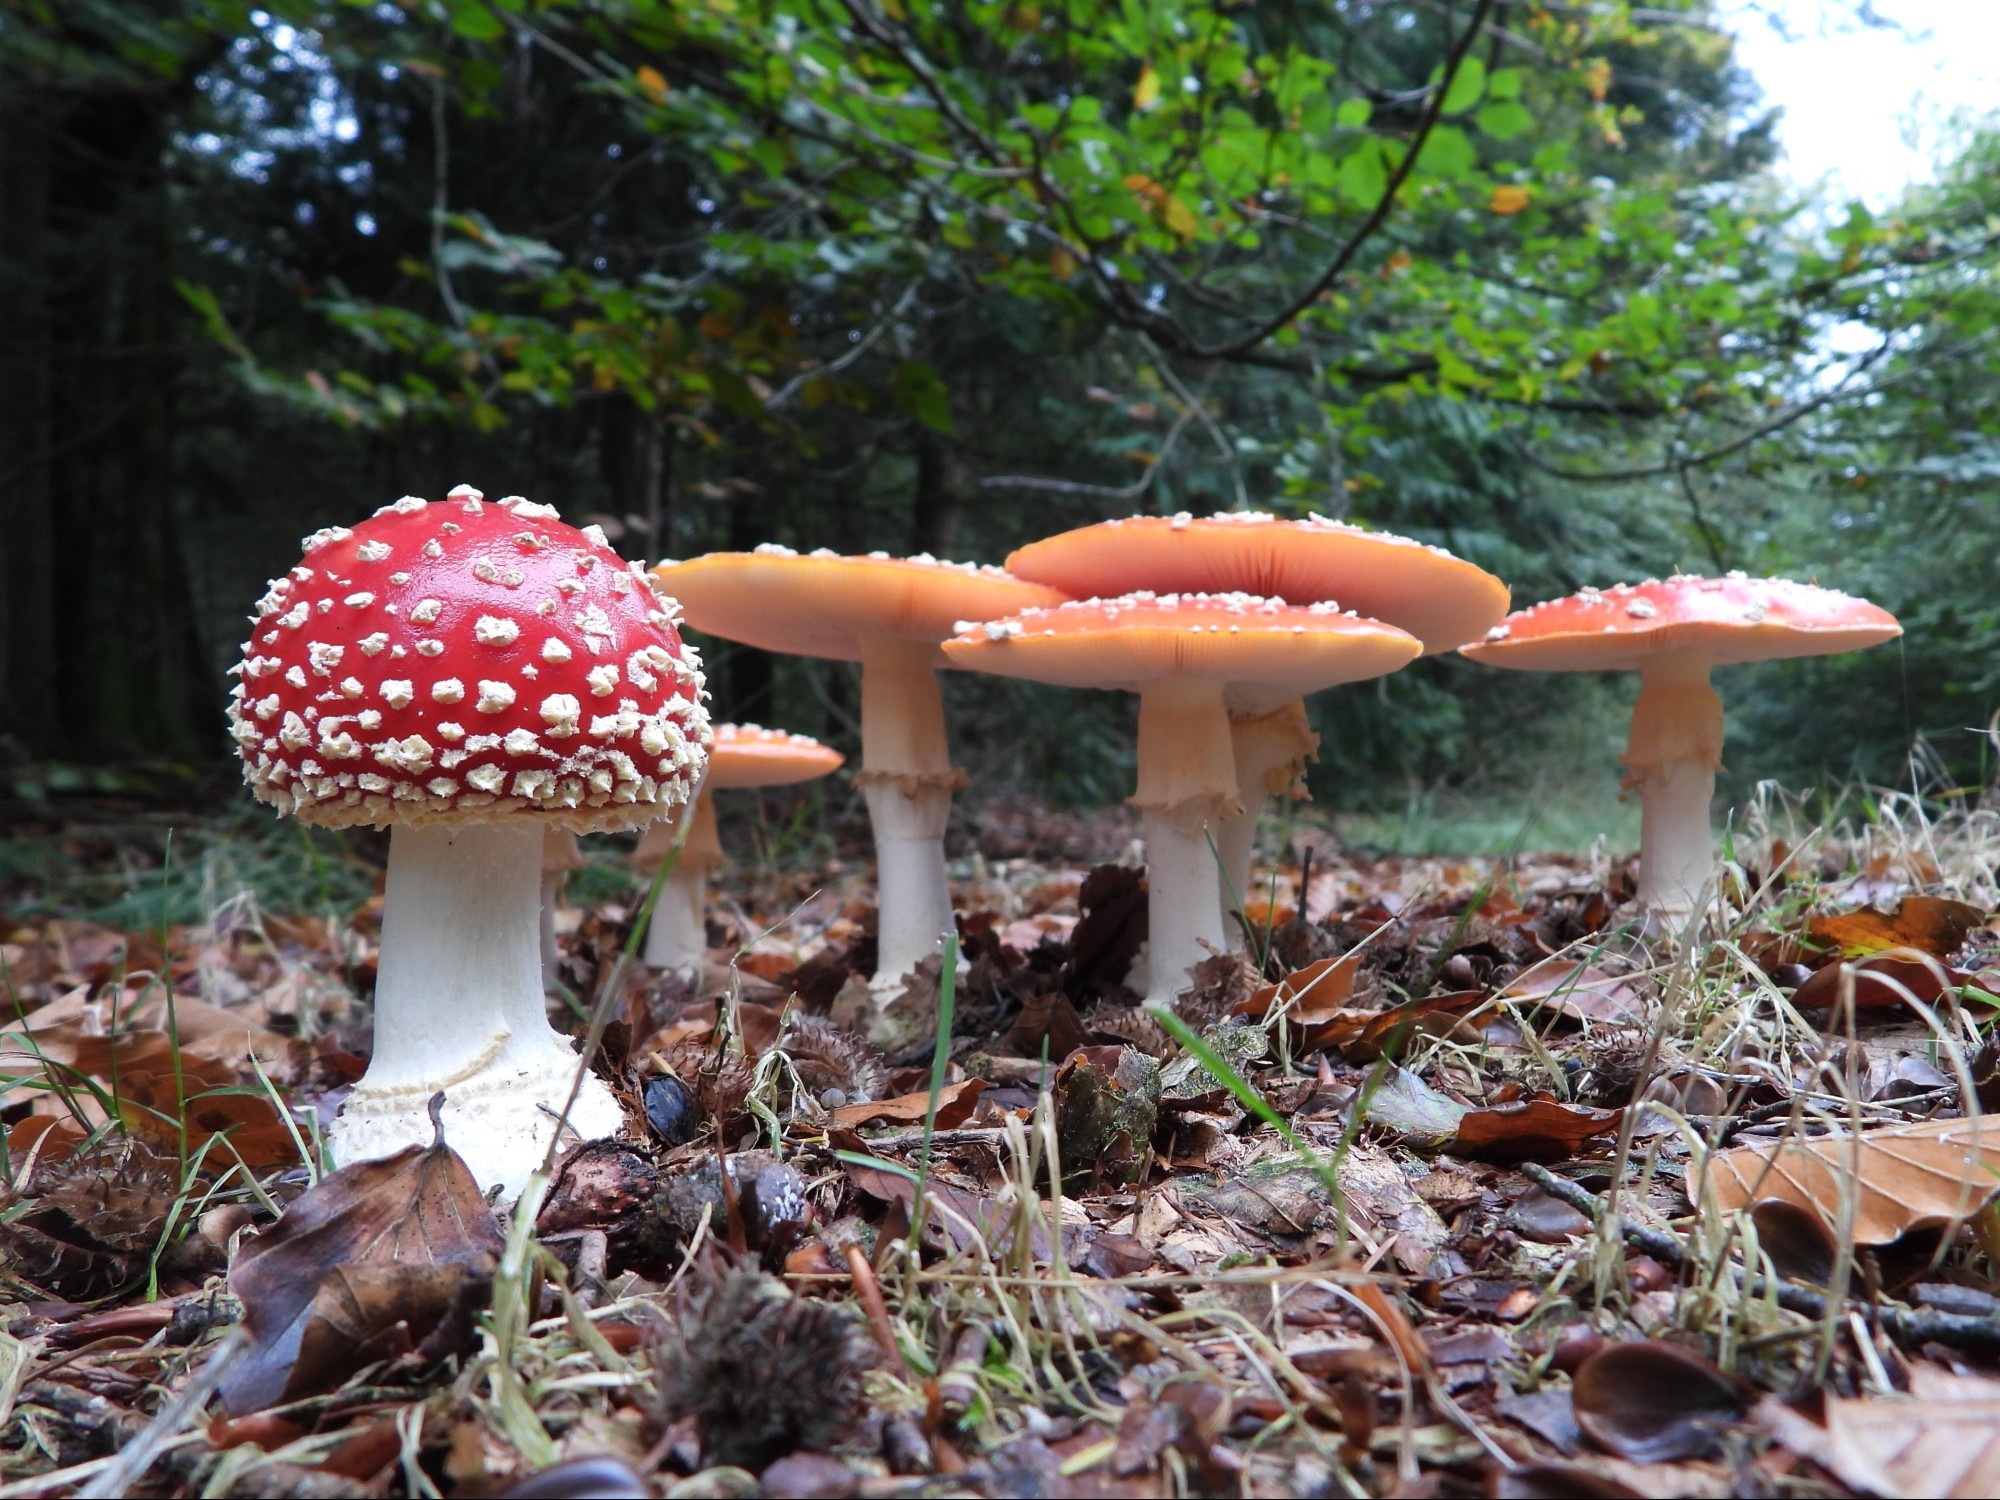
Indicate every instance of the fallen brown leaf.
{"type": "Point", "coordinates": [1577, 990]}
{"type": "Point", "coordinates": [1531, 1130]}
{"type": "Point", "coordinates": [1903, 1177]}
{"type": "Point", "coordinates": [956, 1102]}
{"type": "Point", "coordinates": [1888, 980]}
{"type": "Point", "coordinates": [1930, 924]}
{"type": "Point", "coordinates": [1652, 1402]}
{"type": "Point", "coordinates": [375, 1246]}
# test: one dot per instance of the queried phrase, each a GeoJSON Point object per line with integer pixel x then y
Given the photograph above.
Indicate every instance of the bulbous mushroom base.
{"type": "Point", "coordinates": [494, 1120]}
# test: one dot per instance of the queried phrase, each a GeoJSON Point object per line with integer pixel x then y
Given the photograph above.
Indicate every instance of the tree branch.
{"type": "Point", "coordinates": [1376, 217]}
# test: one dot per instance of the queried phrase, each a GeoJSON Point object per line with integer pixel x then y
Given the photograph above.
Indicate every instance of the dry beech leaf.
{"type": "Point", "coordinates": [1319, 990]}
{"type": "Point", "coordinates": [1903, 1177]}
{"type": "Point", "coordinates": [1890, 1445]}
{"type": "Point", "coordinates": [1930, 924]}
{"type": "Point", "coordinates": [354, 1257]}
{"type": "Point", "coordinates": [1654, 1403]}
{"type": "Point", "coordinates": [1531, 1130]}
{"type": "Point", "coordinates": [1887, 980]}
{"type": "Point", "coordinates": [1577, 991]}
{"type": "Point", "coordinates": [956, 1102]}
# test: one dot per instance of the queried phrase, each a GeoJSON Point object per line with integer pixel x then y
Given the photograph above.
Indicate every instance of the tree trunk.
{"type": "Point", "coordinates": [100, 653]}
{"type": "Point", "coordinates": [940, 494]}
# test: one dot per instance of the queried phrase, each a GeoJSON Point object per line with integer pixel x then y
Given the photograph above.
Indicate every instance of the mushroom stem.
{"type": "Point", "coordinates": [1671, 757]}
{"type": "Point", "coordinates": [1187, 781]}
{"type": "Point", "coordinates": [677, 937]}
{"type": "Point", "coordinates": [908, 778]}
{"type": "Point", "coordinates": [459, 1007]}
{"type": "Point", "coordinates": [552, 884]}
{"type": "Point", "coordinates": [1270, 751]}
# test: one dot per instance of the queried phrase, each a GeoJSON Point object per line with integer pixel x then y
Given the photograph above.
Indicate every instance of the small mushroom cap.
{"type": "Point", "coordinates": [1442, 600]}
{"type": "Point", "coordinates": [1265, 650]}
{"type": "Point", "coordinates": [1721, 620]}
{"type": "Point", "coordinates": [823, 604]}
{"type": "Point", "coordinates": [746, 755]}
{"type": "Point", "coordinates": [470, 662]}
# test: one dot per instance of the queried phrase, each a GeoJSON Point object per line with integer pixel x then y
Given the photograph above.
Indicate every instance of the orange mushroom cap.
{"type": "Point", "coordinates": [824, 604]}
{"type": "Point", "coordinates": [1267, 651]}
{"type": "Point", "coordinates": [1441, 599]}
{"type": "Point", "coordinates": [1721, 620]}
{"type": "Point", "coordinates": [747, 755]}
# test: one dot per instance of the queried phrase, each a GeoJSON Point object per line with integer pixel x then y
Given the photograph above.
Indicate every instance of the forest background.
{"type": "Point", "coordinates": [1508, 276]}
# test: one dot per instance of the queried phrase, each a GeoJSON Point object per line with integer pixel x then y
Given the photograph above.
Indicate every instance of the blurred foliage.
{"type": "Point", "coordinates": [862, 273]}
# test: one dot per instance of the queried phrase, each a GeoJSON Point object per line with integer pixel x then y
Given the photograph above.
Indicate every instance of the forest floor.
{"type": "Point", "coordinates": [1458, 1182]}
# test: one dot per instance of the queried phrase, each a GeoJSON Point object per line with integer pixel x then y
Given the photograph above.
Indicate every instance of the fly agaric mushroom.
{"type": "Point", "coordinates": [742, 755]}
{"type": "Point", "coordinates": [1671, 631]}
{"type": "Point", "coordinates": [889, 614]}
{"type": "Point", "coordinates": [1441, 599]}
{"type": "Point", "coordinates": [560, 855]}
{"type": "Point", "coordinates": [469, 676]}
{"type": "Point", "coordinates": [1188, 657]}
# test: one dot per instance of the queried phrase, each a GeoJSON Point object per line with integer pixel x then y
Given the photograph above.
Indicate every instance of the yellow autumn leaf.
{"type": "Point", "coordinates": [652, 83]}
{"type": "Point", "coordinates": [1146, 93]}
{"type": "Point", "coordinates": [1062, 265]}
{"type": "Point", "coordinates": [1508, 198]}
{"type": "Point", "coordinates": [1178, 217]}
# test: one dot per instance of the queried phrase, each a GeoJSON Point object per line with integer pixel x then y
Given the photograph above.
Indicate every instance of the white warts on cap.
{"type": "Point", "coordinates": [494, 697]}
{"type": "Point", "coordinates": [492, 630]}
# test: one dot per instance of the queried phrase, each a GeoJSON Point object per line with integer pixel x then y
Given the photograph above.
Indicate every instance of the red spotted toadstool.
{"type": "Point", "coordinates": [1441, 599]}
{"type": "Point", "coordinates": [889, 614]}
{"type": "Point", "coordinates": [742, 755]}
{"type": "Point", "coordinates": [468, 675]}
{"type": "Point", "coordinates": [1187, 657]}
{"type": "Point", "coordinates": [1671, 631]}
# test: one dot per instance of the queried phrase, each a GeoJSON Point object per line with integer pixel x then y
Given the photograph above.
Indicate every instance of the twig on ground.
{"type": "Point", "coordinates": [1908, 1325]}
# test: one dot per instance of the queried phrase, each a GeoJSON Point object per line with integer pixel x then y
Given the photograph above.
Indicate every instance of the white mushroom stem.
{"type": "Point", "coordinates": [1270, 751]}
{"type": "Point", "coordinates": [677, 937]}
{"type": "Point", "coordinates": [1671, 757]}
{"type": "Point", "coordinates": [458, 1007]}
{"type": "Point", "coordinates": [908, 778]}
{"type": "Point", "coordinates": [560, 855]}
{"type": "Point", "coordinates": [1187, 780]}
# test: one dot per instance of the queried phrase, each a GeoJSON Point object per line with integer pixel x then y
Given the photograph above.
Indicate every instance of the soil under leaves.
{"type": "Point", "coordinates": [1457, 1179]}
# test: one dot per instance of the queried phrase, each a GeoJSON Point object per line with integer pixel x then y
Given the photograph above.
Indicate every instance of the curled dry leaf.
{"type": "Point", "coordinates": [956, 1102]}
{"type": "Point", "coordinates": [1930, 924]}
{"type": "Point", "coordinates": [1901, 1178]}
{"type": "Point", "coordinates": [1654, 1403]}
{"type": "Point", "coordinates": [1577, 991]}
{"type": "Point", "coordinates": [1312, 994]}
{"type": "Point", "coordinates": [1888, 980]}
{"type": "Point", "coordinates": [1531, 1130]}
{"type": "Point", "coordinates": [376, 1247]}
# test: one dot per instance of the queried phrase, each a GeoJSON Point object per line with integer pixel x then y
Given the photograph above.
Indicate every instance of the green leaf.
{"type": "Point", "coordinates": [1504, 120]}
{"type": "Point", "coordinates": [1468, 86]}
{"type": "Point", "coordinates": [1353, 113]}
{"type": "Point", "coordinates": [1447, 153]}
{"type": "Point", "coordinates": [919, 393]}
{"type": "Point", "coordinates": [1504, 83]}
{"type": "Point", "coordinates": [475, 22]}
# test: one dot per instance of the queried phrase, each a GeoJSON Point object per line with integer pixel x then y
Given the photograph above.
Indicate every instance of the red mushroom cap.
{"type": "Point", "coordinates": [1722, 620]}
{"type": "Point", "coordinates": [465, 661]}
